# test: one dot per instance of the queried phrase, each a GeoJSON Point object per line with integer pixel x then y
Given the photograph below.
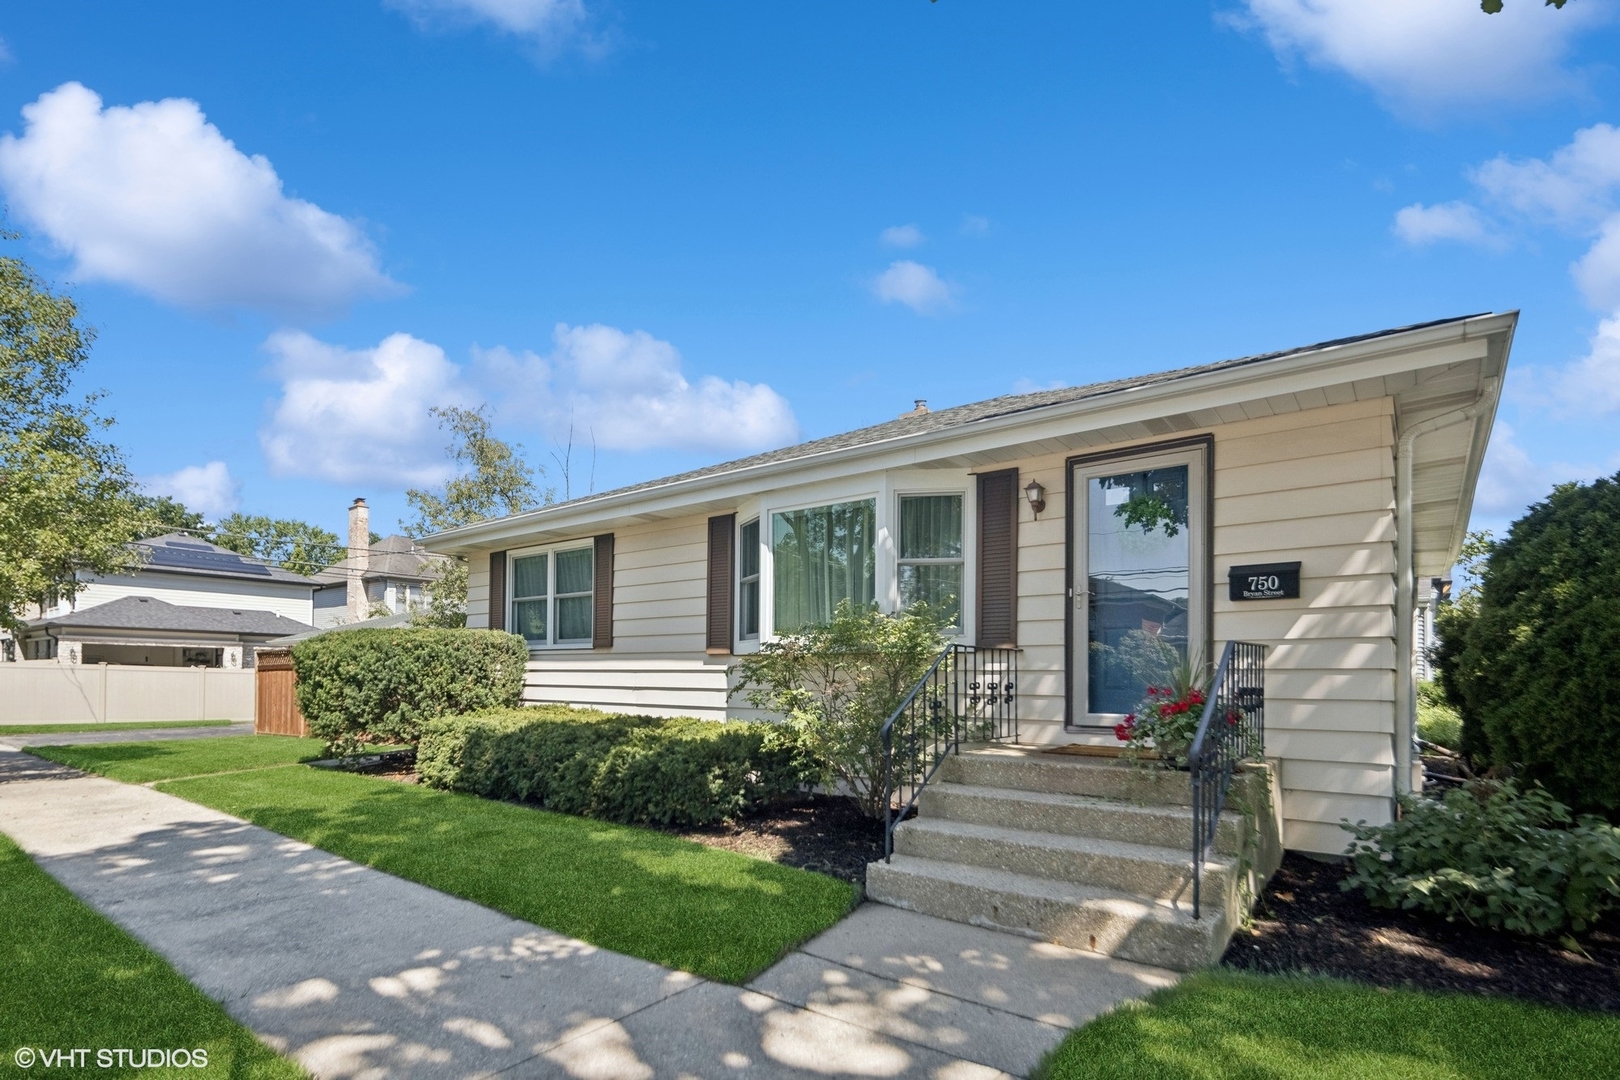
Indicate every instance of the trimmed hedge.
{"type": "Point", "coordinates": [382, 685]}
{"type": "Point", "coordinates": [630, 769]}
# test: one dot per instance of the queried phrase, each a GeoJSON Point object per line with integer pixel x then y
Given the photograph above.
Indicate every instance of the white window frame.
{"type": "Point", "coordinates": [957, 630]}
{"type": "Point", "coordinates": [551, 550]}
{"type": "Point", "coordinates": [1200, 528]}
{"type": "Point", "coordinates": [886, 488]}
{"type": "Point", "coordinates": [759, 582]}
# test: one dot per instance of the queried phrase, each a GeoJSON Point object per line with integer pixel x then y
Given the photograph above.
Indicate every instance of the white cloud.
{"type": "Point", "coordinates": [360, 415]}
{"type": "Point", "coordinates": [549, 24]}
{"type": "Point", "coordinates": [1589, 386]}
{"type": "Point", "coordinates": [975, 225]}
{"type": "Point", "coordinates": [1424, 55]}
{"type": "Point", "coordinates": [6, 55]}
{"type": "Point", "coordinates": [1598, 271]}
{"type": "Point", "coordinates": [1418, 224]}
{"type": "Point", "coordinates": [1572, 187]}
{"type": "Point", "coordinates": [152, 196]}
{"type": "Point", "coordinates": [628, 392]}
{"type": "Point", "coordinates": [1511, 479]}
{"type": "Point", "coordinates": [901, 236]}
{"type": "Point", "coordinates": [208, 489]}
{"type": "Point", "coordinates": [914, 285]}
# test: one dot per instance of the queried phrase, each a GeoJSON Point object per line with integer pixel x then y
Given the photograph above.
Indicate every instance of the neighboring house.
{"type": "Point", "coordinates": [187, 603]}
{"type": "Point", "coordinates": [389, 576]}
{"type": "Point", "coordinates": [1356, 459]}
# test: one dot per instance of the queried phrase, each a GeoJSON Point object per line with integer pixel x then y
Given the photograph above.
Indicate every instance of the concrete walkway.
{"type": "Point", "coordinates": [359, 974]}
{"type": "Point", "coordinates": [83, 738]}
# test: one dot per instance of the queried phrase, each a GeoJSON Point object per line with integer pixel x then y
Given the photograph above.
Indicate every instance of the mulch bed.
{"type": "Point", "coordinates": [825, 833]}
{"type": "Point", "coordinates": [1304, 922]}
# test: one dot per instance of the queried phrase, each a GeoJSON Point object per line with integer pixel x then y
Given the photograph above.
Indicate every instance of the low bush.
{"type": "Point", "coordinates": [1492, 855]}
{"type": "Point", "coordinates": [836, 685]}
{"type": "Point", "coordinates": [380, 686]}
{"type": "Point", "coordinates": [629, 769]}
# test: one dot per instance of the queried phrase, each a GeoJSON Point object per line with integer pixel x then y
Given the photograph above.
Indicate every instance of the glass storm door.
{"type": "Point", "coordinates": [1138, 584]}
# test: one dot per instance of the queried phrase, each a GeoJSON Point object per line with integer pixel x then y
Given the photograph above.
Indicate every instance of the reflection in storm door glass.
{"type": "Point", "coordinates": [1138, 579]}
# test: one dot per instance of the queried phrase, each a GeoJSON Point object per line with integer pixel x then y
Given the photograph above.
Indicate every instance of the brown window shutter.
{"type": "Point", "coordinates": [497, 590]}
{"type": "Point", "coordinates": [998, 559]}
{"type": "Point", "coordinates": [722, 542]}
{"type": "Point", "coordinates": [602, 587]}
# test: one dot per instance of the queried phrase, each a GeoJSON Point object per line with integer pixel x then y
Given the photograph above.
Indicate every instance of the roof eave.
{"type": "Point", "coordinates": [1290, 365]}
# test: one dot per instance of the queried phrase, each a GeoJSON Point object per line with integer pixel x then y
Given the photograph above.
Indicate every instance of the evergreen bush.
{"type": "Point", "coordinates": [630, 769]}
{"type": "Point", "coordinates": [1532, 658]}
{"type": "Point", "coordinates": [380, 686]}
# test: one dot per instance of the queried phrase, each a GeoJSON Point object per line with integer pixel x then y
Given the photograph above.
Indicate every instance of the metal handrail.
{"type": "Point", "coordinates": [1231, 730]}
{"type": "Point", "coordinates": [955, 701]}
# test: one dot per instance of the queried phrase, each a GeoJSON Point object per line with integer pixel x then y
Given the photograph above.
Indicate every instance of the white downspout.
{"type": "Point", "coordinates": [1406, 584]}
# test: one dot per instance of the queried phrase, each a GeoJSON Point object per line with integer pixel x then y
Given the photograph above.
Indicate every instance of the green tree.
{"type": "Point", "coordinates": [292, 545]}
{"type": "Point", "coordinates": [160, 514]}
{"type": "Point", "coordinates": [1491, 7]}
{"type": "Point", "coordinates": [66, 496]}
{"type": "Point", "coordinates": [493, 479]}
{"type": "Point", "coordinates": [1529, 659]}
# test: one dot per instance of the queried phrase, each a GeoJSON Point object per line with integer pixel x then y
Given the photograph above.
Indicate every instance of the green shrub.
{"type": "Point", "coordinates": [1492, 855]}
{"type": "Point", "coordinates": [380, 686]}
{"type": "Point", "coordinates": [1530, 659]}
{"type": "Point", "coordinates": [1437, 721]}
{"type": "Point", "coordinates": [629, 769]}
{"type": "Point", "coordinates": [838, 684]}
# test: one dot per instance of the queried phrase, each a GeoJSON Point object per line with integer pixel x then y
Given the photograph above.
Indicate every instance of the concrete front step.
{"type": "Point", "coordinates": [1075, 815]}
{"type": "Point", "coordinates": [1079, 916]}
{"type": "Point", "coordinates": [1157, 873]}
{"type": "Point", "coordinates": [1025, 769]}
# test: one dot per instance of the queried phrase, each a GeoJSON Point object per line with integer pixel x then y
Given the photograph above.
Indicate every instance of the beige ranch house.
{"type": "Point", "coordinates": [1293, 499]}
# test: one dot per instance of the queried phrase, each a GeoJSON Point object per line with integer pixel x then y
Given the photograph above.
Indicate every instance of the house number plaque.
{"type": "Point", "coordinates": [1264, 581]}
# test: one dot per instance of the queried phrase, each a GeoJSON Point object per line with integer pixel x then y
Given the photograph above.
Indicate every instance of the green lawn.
{"type": "Point", "coordinates": [719, 914]}
{"type": "Point", "coordinates": [1229, 1026]}
{"type": "Point", "coordinates": [143, 762]}
{"type": "Point", "coordinates": [64, 729]}
{"type": "Point", "coordinates": [69, 978]}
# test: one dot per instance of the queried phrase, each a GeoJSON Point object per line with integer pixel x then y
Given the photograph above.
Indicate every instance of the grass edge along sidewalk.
{"type": "Point", "coordinates": [71, 980]}
{"type": "Point", "coordinates": [1218, 1025]}
{"type": "Point", "coordinates": [170, 759]}
{"type": "Point", "coordinates": [715, 913]}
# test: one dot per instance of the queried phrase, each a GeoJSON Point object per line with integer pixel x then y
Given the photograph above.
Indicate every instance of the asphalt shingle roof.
{"type": "Point", "coordinates": [150, 613]}
{"type": "Point", "coordinates": [914, 423]}
{"type": "Point", "coordinates": [391, 557]}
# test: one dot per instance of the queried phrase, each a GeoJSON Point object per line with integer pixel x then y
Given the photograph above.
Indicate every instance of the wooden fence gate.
{"type": "Point", "coordinates": [276, 708]}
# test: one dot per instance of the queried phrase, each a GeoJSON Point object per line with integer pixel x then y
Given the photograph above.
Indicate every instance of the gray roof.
{"type": "Point", "coordinates": [391, 557]}
{"type": "Point", "coordinates": [381, 622]}
{"type": "Point", "coordinates": [914, 423]}
{"type": "Point", "coordinates": [150, 613]}
{"type": "Point", "coordinates": [177, 553]}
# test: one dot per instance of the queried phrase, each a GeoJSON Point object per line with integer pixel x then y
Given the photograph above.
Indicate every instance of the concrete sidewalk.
{"type": "Point", "coordinates": [82, 738]}
{"type": "Point", "coordinates": [356, 973]}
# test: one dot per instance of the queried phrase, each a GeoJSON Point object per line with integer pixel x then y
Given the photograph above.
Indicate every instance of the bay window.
{"type": "Point", "coordinates": [820, 556]}
{"type": "Point", "coordinates": [748, 580]}
{"type": "Point", "coordinates": [929, 563]}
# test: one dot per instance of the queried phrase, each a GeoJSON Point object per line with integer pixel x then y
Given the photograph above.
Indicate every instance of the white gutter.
{"type": "Point", "coordinates": [1406, 582]}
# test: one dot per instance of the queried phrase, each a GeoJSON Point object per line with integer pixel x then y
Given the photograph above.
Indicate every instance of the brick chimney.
{"type": "Point", "coordinates": [359, 558]}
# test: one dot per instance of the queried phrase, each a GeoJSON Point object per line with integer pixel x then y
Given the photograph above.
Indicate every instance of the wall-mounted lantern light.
{"type": "Point", "coordinates": [1036, 496]}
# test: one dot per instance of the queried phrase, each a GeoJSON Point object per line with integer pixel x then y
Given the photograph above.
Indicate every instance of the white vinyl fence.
{"type": "Point", "coordinates": [46, 692]}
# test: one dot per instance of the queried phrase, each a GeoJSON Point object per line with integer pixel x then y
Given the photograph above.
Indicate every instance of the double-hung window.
{"type": "Point", "coordinates": [748, 580]}
{"type": "Point", "coordinates": [929, 566]}
{"type": "Point", "coordinates": [820, 556]}
{"type": "Point", "coordinates": [552, 596]}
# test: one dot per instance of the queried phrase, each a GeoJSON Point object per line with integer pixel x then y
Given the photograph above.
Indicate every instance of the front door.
{"type": "Point", "coordinates": [1138, 579]}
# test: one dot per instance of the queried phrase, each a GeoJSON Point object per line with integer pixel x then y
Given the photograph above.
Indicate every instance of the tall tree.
{"type": "Point", "coordinates": [493, 479]}
{"type": "Point", "coordinates": [159, 514]}
{"type": "Point", "coordinates": [65, 493]}
{"type": "Point", "coordinates": [292, 545]}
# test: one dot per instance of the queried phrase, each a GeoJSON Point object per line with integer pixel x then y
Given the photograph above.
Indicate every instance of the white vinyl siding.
{"type": "Point", "coordinates": [289, 600]}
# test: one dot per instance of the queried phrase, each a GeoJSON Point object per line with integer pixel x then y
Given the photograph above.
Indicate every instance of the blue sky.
{"type": "Point", "coordinates": [694, 231]}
